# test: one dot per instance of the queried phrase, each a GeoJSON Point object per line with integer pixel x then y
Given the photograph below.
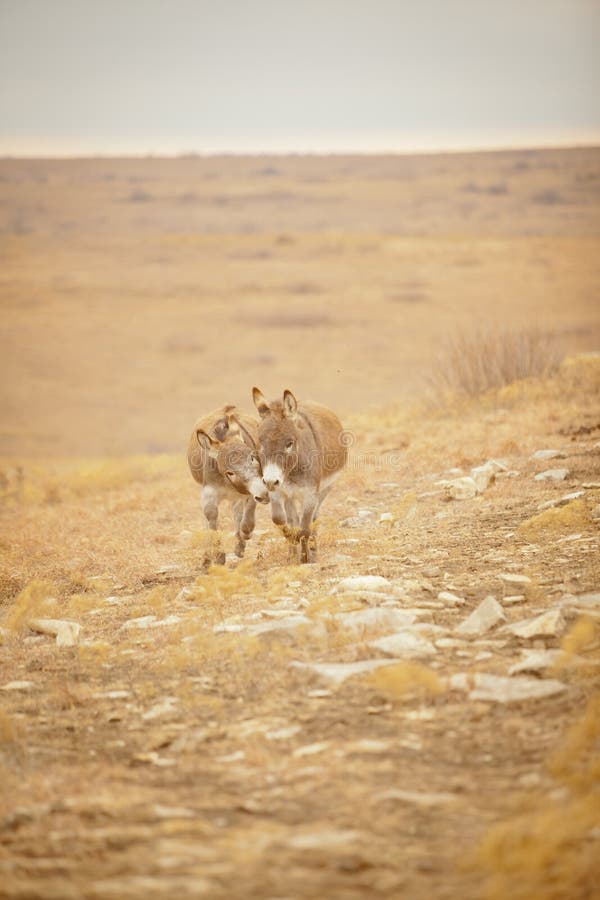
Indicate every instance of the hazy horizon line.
{"type": "Point", "coordinates": [346, 145]}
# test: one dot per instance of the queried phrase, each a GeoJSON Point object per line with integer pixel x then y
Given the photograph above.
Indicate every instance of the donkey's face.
{"type": "Point", "coordinates": [277, 437]}
{"type": "Point", "coordinates": [237, 461]}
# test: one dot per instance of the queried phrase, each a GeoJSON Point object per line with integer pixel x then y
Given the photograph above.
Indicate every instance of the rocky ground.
{"type": "Point", "coordinates": [414, 715]}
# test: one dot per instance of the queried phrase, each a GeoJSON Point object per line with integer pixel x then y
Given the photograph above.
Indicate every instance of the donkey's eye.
{"type": "Point", "coordinates": [289, 446]}
{"type": "Point", "coordinates": [229, 473]}
{"type": "Point", "coordinates": [254, 458]}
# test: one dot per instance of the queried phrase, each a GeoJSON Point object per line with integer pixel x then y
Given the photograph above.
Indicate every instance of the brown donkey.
{"type": "Point", "coordinates": [302, 450]}
{"type": "Point", "coordinates": [223, 458]}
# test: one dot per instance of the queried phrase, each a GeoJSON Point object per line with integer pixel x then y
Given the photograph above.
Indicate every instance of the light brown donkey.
{"type": "Point", "coordinates": [302, 451]}
{"type": "Point", "coordinates": [223, 458]}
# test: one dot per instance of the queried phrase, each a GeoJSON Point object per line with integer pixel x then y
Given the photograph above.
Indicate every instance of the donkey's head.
{"type": "Point", "coordinates": [278, 436]}
{"type": "Point", "coordinates": [233, 449]}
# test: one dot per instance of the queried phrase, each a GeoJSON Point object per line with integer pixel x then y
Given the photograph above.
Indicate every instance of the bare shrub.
{"type": "Point", "coordinates": [479, 360]}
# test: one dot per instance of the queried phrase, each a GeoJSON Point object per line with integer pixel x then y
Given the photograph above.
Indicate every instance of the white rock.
{"type": "Point", "coordinates": [562, 501]}
{"type": "Point", "coordinates": [513, 599]}
{"type": "Point", "coordinates": [451, 599]}
{"type": "Point", "coordinates": [548, 454]}
{"type": "Point", "coordinates": [535, 661]}
{"type": "Point", "coordinates": [386, 517]}
{"type": "Point", "coordinates": [375, 617]}
{"type": "Point", "coordinates": [336, 673]}
{"type": "Point", "coordinates": [404, 645]}
{"type": "Point", "coordinates": [311, 749]}
{"type": "Point", "coordinates": [283, 734]}
{"type": "Point", "coordinates": [185, 593]}
{"type": "Point", "coordinates": [500, 689]}
{"type": "Point", "coordinates": [164, 707]}
{"type": "Point", "coordinates": [484, 475]}
{"type": "Point", "coordinates": [17, 686]}
{"type": "Point", "coordinates": [548, 624]}
{"type": "Point", "coordinates": [291, 625]}
{"type": "Point", "coordinates": [461, 488]}
{"type": "Point", "coordinates": [323, 839]}
{"type": "Point", "coordinates": [65, 632]}
{"type": "Point", "coordinates": [488, 614]}
{"type": "Point", "coordinates": [417, 798]}
{"type": "Point", "coordinates": [357, 584]}
{"type": "Point", "coordinates": [552, 475]}
{"type": "Point", "coordinates": [141, 622]}
{"type": "Point", "coordinates": [234, 628]}
{"type": "Point", "coordinates": [511, 578]}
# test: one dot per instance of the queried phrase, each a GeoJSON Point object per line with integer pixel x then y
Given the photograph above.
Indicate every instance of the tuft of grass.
{"type": "Point", "coordinates": [404, 678]}
{"type": "Point", "coordinates": [566, 518]}
{"type": "Point", "coordinates": [34, 600]}
{"type": "Point", "coordinates": [483, 359]}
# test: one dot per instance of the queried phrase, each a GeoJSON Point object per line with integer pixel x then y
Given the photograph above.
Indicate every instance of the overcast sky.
{"type": "Point", "coordinates": [258, 75]}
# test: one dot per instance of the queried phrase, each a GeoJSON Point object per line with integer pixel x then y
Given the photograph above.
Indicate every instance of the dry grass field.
{"type": "Point", "coordinates": [185, 745]}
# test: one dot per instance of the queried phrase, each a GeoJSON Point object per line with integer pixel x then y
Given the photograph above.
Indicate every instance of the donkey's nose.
{"type": "Point", "coordinates": [271, 485]}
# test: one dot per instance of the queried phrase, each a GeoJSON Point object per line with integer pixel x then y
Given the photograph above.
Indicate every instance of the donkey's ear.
{"type": "Point", "coordinates": [260, 402]}
{"type": "Point", "coordinates": [222, 428]}
{"type": "Point", "coordinates": [244, 433]}
{"type": "Point", "coordinates": [208, 444]}
{"type": "Point", "coordinates": [290, 405]}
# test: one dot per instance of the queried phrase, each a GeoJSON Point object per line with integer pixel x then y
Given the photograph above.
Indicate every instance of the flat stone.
{"type": "Point", "coordinates": [562, 501]}
{"type": "Point", "coordinates": [500, 689]}
{"type": "Point", "coordinates": [548, 454]}
{"type": "Point", "coordinates": [141, 622]}
{"type": "Point", "coordinates": [404, 645]}
{"type": "Point", "coordinates": [336, 673]}
{"type": "Point", "coordinates": [552, 475]}
{"type": "Point", "coordinates": [17, 686]}
{"type": "Point", "coordinates": [548, 624]}
{"type": "Point", "coordinates": [323, 839]}
{"type": "Point", "coordinates": [535, 661]}
{"type": "Point", "coordinates": [450, 599]}
{"type": "Point", "coordinates": [417, 798]}
{"type": "Point", "coordinates": [164, 707]}
{"type": "Point", "coordinates": [375, 617]}
{"type": "Point", "coordinates": [512, 578]}
{"type": "Point", "coordinates": [461, 488]}
{"type": "Point", "coordinates": [488, 614]}
{"type": "Point", "coordinates": [363, 583]}
{"type": "Point", "coordinates": [513, 599]}
{"type": "Point", "coordinates": [484, 475]}
{"type": "Point", "coordinates": [65, 632]}
{"type": "Point", "coordinates": [311, 749]}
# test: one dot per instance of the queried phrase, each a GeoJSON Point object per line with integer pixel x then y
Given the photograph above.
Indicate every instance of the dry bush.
{"type": "Point", "coordinates": [485, 359]}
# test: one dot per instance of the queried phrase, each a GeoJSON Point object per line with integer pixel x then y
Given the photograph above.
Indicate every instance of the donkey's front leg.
{"type": "Point", "coordinates": [210, 507]}
{"type": "Point", "coordinates": [245, 525]}
{"type": "Point", "coordinates": [308, 544]}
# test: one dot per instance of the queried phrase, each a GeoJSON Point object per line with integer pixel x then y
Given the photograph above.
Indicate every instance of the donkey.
{"type": "Point", "coordinates": [302, 451]}
{"type": "Point", "coordinates": [223, 458]}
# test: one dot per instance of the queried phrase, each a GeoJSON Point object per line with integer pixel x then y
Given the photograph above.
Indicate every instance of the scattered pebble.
{"type": "Point", "coordinates": [548, 624]}
{"type": "Point", "coordinates": [17, 686]}
{"type": "Point", "coordinates": [360, 583]}
{"type": "Point", "coordinates": [404, 645]}
{"type": "Point", "coordinates": [461, 488]}
{"type": "Point", "coordinates": [552, 475]}
{"type": "Point", "coordinates": [513, 599]}
{"type": "Point", "coordinates": [500, 689]}
{"type": "Point", "coordinates": [535, 661]}
{"type": "Point", "coordinates": [417, 798]}
{"type": "Point", "coordinates": [451, 599]}
{"type": "Point", "coordinates": [66, 633]}
{"type": "Point", "coordinates": [336, 673]}
{"type": "Point", "coordinates": [488, 614]}
{"type": "Point", "coordinates": [548, 454]}
{"type": "Point", "coordinates": [512, 578]}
